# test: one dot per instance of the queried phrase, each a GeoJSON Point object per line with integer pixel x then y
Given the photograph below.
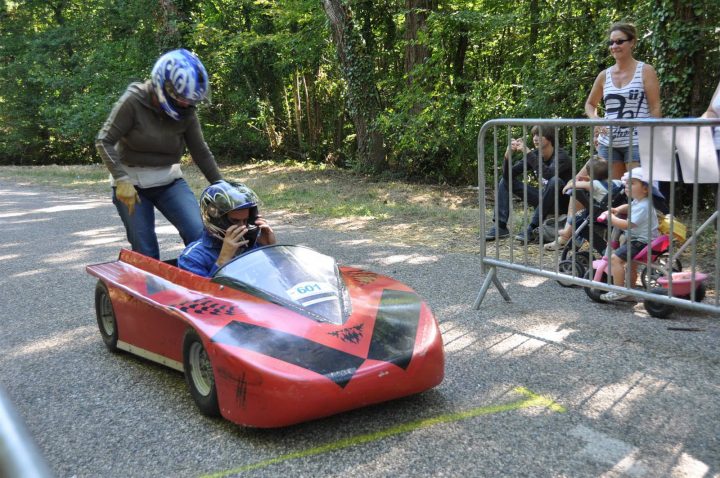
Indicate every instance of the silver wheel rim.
{"type": "Point", "coordinates": [106, 315]}
{"type": "Point", "coordinates": [200, 369]}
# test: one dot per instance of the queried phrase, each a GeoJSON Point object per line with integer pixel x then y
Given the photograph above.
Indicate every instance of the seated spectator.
{"type": "Point", "coordinates": [586, 190]}
{"type": "Point", "coordinates": [542, 197]}
{"type": "Point", "coordinates": [233, 225]}
{"type": "Point", "coordinates": [642, 213]}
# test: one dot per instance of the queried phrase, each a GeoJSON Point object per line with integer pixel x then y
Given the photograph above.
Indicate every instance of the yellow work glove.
{"type": "Point", "coordinates": [126, 193]}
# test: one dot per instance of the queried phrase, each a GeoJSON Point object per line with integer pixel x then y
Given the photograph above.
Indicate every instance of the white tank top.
{"type": "Point", "coordinates": [628, 102]}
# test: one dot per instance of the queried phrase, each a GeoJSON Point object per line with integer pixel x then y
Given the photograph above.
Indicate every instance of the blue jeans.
{"type": "Point", "coordinates": [543, 200]}
{"type": "Point", "coordinates": [619, 153]}
{"type": "Point", "coordinates": [175, 201]}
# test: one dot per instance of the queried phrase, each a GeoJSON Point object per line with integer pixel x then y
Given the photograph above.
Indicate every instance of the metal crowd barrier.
{"type": "Point", "coordinates": [674, 150]}
{"type": "Point", "coordinates": [19, 456]}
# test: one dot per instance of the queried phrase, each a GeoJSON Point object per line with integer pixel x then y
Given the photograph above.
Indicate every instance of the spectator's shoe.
{"type": "Point", "coordinates": [558, 243]}
{"type": "Point", "coordinates": [615, 297]}
{"type": "Point", "coordinates": [529, 235]}
{"type": "Point", "coordinates": [501, 232]}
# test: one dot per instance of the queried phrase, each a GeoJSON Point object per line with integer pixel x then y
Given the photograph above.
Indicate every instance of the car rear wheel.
{"type": "Point", "coordinates": [106, 316]}
{"type": "Point", "coordinates": [199, 374]}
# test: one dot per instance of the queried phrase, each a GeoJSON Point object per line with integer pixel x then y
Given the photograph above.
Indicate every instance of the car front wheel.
{"type": "Point", "coordinates": [199, 374]}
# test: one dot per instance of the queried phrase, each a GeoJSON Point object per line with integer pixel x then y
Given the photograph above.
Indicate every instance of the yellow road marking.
{"type": "Point", "coordinates": [530, 399]}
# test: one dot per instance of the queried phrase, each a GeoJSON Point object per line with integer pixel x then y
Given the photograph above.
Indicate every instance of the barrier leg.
{"type": "Point", "coordinates": [490, 277]}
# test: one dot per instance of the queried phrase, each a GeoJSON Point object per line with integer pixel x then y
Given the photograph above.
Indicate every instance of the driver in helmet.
{"type": "Point", "coordinates": [232, 226]}
{"type": "Point", "coordinates": [142, 142]}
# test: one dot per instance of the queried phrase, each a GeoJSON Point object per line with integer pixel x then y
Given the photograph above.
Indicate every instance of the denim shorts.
{"type": "Point", "coordinates": [635, 247]}
{"type": "Point", "coordinates": [620, 153]}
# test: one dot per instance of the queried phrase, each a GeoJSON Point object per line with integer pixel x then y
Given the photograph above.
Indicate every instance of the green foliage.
{"type": "Point", "coordinates": [278, 88]}
{"type": "Point", "coordinates": [684, 41]}
{"type": "Point", "coordinates": [66, 73]}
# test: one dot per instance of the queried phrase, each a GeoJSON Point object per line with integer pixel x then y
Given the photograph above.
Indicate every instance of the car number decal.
{"type": "Point", "coordinates": [311, 292]}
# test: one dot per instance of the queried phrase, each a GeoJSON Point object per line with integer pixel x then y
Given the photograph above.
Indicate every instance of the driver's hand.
{"type": "Point", "coordinates": [126, 194]}
{"type": "Point", "coordinates": [234, 239]}
{"type": "Point", "coordinates": [267, 235]}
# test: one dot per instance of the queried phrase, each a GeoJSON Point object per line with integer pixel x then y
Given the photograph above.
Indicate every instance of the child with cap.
{"type": "Point", "coordinates": [640, 227]}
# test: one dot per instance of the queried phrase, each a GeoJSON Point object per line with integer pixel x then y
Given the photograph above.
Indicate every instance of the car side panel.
{"type": "Point", "coordinates": [259, 390]}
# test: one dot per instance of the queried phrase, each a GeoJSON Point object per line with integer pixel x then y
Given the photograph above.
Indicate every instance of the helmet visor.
{"type": "Point", "coordinates": [176, 99]}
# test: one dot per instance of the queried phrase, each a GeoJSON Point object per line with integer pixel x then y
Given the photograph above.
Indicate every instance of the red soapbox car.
{"type": "Point", "coordinates": [278, 336]}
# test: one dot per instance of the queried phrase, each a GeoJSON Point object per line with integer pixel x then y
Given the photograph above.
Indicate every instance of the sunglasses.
{"type": "Point", "coordinates": [617, 42]}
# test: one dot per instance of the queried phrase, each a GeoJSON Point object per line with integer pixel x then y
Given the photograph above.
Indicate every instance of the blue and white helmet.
{"type": "Point", "coordinates": [179, 75]}
{"type": "Point", "coordinates": [222, 197]}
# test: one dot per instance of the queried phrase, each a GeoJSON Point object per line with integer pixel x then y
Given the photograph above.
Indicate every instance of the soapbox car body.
{"type": "Point", "coordinates": [278, 336]}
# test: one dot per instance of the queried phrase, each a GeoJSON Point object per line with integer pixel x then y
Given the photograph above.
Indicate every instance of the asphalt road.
{"type": "Point", "coordinates": [547, 385]}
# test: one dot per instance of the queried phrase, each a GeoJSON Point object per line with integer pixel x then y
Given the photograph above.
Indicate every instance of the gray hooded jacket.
{"type": "Point", "coordinates": [137, 133]}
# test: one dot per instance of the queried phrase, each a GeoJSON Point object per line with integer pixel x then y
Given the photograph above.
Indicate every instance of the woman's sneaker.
{"type": "Point", "coordinates": [558, 243]}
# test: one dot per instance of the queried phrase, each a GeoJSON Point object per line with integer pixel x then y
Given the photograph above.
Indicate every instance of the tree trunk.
{"type": "Point", "coordinates": [298, 111]}
{"type": "Point", "coordinates": [168, 35]}
{"type": "Point", "coordinates": [309, 114]}
{"type": "Point", "coordinates": [533, 19]}
{"type": "Point", "coordinates": [415, 19]}
{"type": "Point", "coordinates": [357, 68]}
{"type": "Point", "coordinates": [459, 59]}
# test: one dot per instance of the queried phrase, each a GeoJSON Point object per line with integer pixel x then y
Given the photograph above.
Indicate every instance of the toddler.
{"type": "Point", "coordinates": [640, 228]}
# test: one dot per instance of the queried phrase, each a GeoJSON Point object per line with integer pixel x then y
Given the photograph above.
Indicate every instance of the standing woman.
{"type": "Point", "coordinates": [713, 111]}
{"type": "Point", "coordinates": [629, 90]}
{"type": "Point", "coordinates": [142, 142]}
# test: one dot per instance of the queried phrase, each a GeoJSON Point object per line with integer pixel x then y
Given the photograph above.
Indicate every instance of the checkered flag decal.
{"type": "Point", "coordinates": [206, 306]}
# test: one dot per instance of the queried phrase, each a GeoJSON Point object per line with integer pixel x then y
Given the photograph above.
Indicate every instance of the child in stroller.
{"type": "Point", "coordinates": [590, 237]}
{"type": "Point", "coordinates": [591, 184]}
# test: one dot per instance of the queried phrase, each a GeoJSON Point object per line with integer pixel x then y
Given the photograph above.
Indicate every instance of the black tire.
{"type": "Point", "coordinates": [655, 272]}
{"type": "Point", "coordinates": [581, 253]}
{"type": "Point", "coordinates": [199, 374]}
{"type": "Point", "coordinates": [106, 316]}
{"type": "Point", "coordinates": [581, 259]}
{"type": "Point", "coordinates": [566, 267]}
{"type": "Point", "coordinates": [656, 309]}
{"type": "Point", "coordinates": [593, 293]}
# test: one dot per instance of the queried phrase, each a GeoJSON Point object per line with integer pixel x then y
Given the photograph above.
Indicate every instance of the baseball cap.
{"type": "Point", "coordinates": [637, 173]}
